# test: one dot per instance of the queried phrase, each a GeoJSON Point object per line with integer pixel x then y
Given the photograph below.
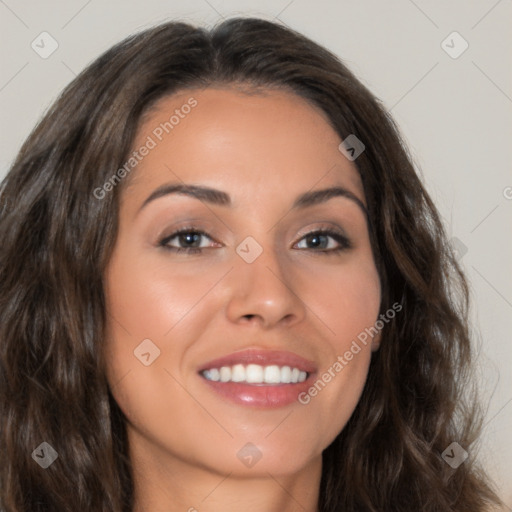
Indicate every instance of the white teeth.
{"type": "Point", "coordinates": [256, 374]}
{"type": "Point", "coordinates": [238, 373]}
{"type": "Point", "coordinates": [286, 374]}
{"type": "Point", "coordinates": [225, 374]}
{"type": "Point", "coordinates": [213, 374]}
{"type": "Point", "coordinates": [272, 375]}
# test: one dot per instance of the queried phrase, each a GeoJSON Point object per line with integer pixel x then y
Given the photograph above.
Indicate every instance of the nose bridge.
{"type": "Point", "coordinates": [266, 262]}
{"type": "Point", "coordinates": [262, 283]}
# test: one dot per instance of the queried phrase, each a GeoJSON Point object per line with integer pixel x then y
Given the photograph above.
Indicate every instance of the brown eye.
{"type": "Point", "coordinates": [319, 239]}
{"type": "Point", "coordinates": [188, 240]}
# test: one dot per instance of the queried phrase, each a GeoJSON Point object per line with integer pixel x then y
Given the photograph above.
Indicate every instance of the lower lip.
{"type": "Point", "coordinates": [266, 396]}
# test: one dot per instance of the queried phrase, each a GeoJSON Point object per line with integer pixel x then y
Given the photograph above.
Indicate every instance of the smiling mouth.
{"type": "Point", "coordinates": [256, 375]}
{"type": "Point", "coordinates": [259, 378]}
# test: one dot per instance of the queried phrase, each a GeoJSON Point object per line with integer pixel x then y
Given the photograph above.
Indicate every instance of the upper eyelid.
{"type": "Point", "coordinates": [324, 227]}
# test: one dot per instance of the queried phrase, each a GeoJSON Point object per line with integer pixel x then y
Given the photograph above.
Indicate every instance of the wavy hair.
{"type": "Point", "coordinates": [57, 238]}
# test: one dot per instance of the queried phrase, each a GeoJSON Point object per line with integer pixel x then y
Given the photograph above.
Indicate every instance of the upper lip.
{"type": "Point", "coordinates": [263, 358]}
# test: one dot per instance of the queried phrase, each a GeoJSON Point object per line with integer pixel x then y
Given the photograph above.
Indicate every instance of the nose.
{"type": "Point", "coordinates": [264, 292]}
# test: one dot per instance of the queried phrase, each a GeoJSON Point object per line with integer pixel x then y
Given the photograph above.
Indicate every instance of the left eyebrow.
{"type": "Point", "coordinates": [315, 197]}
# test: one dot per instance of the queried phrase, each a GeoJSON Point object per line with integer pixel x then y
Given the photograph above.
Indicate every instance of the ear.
{"type": "Point", "coordinates": [376, 341]}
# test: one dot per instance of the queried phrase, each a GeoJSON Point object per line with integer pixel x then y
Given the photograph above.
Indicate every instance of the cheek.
{"type": "Point", "coordinates": [345, 297]}
{"type": "Point", "coordinates": [146, 311]}
{"type": "Point", "coordinates": [151, 306]}
{"type": "Point", "coordinates": [149, 300]}
{"type": "Point", "coordinates": [348, 306]}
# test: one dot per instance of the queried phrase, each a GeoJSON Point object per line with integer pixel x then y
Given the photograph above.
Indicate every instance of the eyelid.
{"type": "Point", "coordinates": [323, 226]}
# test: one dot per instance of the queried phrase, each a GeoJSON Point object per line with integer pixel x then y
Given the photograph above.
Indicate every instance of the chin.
{"type": "Point", "coordinates": [241, 457]}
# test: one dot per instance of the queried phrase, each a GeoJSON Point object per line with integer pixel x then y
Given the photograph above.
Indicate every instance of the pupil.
{"type": "Point", "coordinates": [315, 240]}
{"type": "Point", "coordinates": [190, 238]}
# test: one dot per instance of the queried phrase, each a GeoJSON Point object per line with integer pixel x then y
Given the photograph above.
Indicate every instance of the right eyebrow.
{"type": "Point", "coordinates": [209, 195]}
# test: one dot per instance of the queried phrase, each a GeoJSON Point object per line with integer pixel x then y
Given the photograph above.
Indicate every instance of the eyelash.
{"type": "Point", "coordinates": [343, 241]}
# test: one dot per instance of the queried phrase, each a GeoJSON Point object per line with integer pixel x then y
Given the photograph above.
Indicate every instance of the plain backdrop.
{"type": "Point", "coordinates": [450, 93]}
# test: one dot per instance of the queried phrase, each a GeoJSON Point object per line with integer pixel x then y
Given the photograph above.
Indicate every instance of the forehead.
{"type": "Point", "coordinates": [241, 140]}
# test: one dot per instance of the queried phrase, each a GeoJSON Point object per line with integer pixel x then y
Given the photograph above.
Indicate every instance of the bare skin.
{"type": "Point", "coordinates": [298, 295]}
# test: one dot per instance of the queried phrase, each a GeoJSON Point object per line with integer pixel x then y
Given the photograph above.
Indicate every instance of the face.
{"type": "Point", "coordinates": [220, 335]}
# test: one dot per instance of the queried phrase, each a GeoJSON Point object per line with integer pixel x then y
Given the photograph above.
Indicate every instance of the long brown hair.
{"type": "Point", "coordinates": [57, 237]}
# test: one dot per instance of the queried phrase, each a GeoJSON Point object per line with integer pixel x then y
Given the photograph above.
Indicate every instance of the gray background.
{"type": "Point", "coordinates": [455, 113]}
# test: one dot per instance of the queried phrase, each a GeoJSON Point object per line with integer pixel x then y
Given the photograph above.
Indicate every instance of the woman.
{"type": "Point", "coordinates": [224, 286]}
